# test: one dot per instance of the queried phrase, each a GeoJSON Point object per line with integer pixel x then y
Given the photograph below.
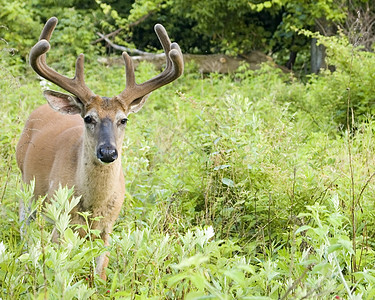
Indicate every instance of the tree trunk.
{"type": "Point", "coordinates": [318, 54]}
{"type": "Point", "coordinates": [292, 59]}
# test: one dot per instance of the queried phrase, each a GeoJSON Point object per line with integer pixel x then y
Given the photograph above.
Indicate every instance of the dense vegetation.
{"type": "Point", "coordinates": [253, 185]}
{"type": "Point", "coordinates": [231, 27]}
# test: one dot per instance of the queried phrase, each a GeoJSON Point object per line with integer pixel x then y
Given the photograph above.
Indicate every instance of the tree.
{"type": "Point", "coordinates": [201, 27]}
{"type": "Point", "coordinates": [239, 27]}
{"type": "Point", "coordinates": [17, 27]}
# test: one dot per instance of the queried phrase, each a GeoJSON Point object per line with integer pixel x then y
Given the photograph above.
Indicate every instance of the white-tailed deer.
{"type": "Point", "coordinates": [76, 140]}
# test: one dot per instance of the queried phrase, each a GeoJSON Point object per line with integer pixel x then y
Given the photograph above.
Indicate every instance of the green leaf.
{"type": "Point", "coordinates": [195, 260]}
{"type": "Point", "coordinates": [24, 257]}
{"type": "Point", "coordinates": [236, 275]}
{"type": "Point", "coordinates": [69, 235]}
{"type": "Point", "coordinates": [303, 228]}
{"type": "Point", "coordinates": [267, 4]}
{"type": "Point", "coordinates": [221, 167]}
{"type": "Point", "coordinates": [227, 182]}
{"type": "Point", "coordinates": [172, 281]}
{"type": "Point", "coordinates": [321, 268]}
{"type": "Point", "coordinates": [198, 281]}
{"type": "Point", "coordinates": [346, 244]}
{"type": "Point", "coordinates": [334, 248]}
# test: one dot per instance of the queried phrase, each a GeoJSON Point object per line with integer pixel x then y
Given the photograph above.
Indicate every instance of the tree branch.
{"type": "Point", "coordinates": [117, 31]}
{"type": "Point", "coordinates": [122, 48]}
{"type": "Point", "coordinates": [103, 37]}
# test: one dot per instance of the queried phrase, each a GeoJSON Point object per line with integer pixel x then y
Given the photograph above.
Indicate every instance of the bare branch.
{"type": "Point", "coordinates": [103, 37]}
{"type": "Point", "coordinates": [122, 48]}
{"type": "Point", "coordinates": [117, 31]}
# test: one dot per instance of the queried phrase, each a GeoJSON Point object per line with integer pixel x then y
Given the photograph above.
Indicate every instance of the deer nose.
{"type": "Point", "coordinates": [107, 153]}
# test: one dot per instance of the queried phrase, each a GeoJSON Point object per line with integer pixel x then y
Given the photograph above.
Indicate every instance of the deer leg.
{"type": "Point", "coordinates": [103, 259]}
{"type": "Point", "coordinates": [101, 265]}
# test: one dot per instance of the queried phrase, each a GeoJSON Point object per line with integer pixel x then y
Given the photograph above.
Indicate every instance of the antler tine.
{"type": "Point", "coordinates": [76, 85]}
{"type": "Point", "coordinates": [174, 69]}
{"type": "Point", "coordinates": [129, 71]}
{"type": "Point", "coordinates": [48, 29]}
{"type": "Point", "coordinates": [164, 40]}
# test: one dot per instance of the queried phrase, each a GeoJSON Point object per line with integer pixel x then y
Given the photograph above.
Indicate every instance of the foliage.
{"type": "Point", "coordinates": [349, 83]}
{"type": "Point", "coordinates": [243, 186]}
{"type": "Point", "coordinates": [21, 23]}
{"type": "Point", "coordinates": [78, 23]}
{"type": "Point", "coordinates": [243, 26]}
{"type": "Point", "coordinates": [238, 27]}
{"type": "Point", "coordinates": [39, 267]}
{"type": "Point", "coordinates": [17, 28]}
{"type": "Point", "coordinates": [234, 27]}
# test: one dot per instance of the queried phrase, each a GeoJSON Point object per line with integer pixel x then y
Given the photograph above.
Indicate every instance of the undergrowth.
{"type": "Point", "coordinates": [238, 187]}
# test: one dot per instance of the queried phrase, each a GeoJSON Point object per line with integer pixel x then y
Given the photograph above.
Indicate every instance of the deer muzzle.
{"type": "Point", "coordinates": [106, 150]}
{"type": "Point", "coordinates": [107, 153]}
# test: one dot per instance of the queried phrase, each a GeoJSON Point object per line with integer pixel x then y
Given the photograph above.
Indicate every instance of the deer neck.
{"type": "Point", "coordinates": [95, 181]}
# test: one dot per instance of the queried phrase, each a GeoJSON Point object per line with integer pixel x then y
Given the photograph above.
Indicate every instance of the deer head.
{"type": "Point", "coordinates": [105, 118]}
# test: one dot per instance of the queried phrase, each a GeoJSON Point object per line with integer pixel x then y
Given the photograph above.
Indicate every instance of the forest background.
{"type": "Point", "coordinates": [256, 184]}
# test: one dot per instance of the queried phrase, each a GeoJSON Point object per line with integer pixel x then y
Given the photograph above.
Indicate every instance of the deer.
{"type": "Point", "coordinates": [75, 139]}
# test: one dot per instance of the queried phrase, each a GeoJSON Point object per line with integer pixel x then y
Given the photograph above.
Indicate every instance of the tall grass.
{"type": "Point", "coordinates": [237, 187]}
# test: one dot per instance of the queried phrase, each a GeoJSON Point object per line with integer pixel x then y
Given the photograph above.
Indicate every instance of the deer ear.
{"type": "Point", "coordinates": [137, 104]}
{"type": "Point", "coordinates": [63, 103]}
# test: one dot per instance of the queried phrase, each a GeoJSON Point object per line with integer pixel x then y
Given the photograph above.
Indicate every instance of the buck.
{"type": "Point", "coordinates": [75, 140]}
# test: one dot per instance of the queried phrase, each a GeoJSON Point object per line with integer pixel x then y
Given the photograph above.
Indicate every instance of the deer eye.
{"type": "Point", "coordinates": [88, 119]}
{"type": "Point", "coordinates": [123, 121]}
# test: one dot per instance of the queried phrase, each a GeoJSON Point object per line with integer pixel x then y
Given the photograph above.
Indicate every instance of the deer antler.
{"type": "Point", "coordinates": [174, 69]}
{"type": "Point", "coordinates": [76, 85]}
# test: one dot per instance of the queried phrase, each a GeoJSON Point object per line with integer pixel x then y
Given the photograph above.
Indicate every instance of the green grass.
{"type": "Point", "coordinates": [238, 187]}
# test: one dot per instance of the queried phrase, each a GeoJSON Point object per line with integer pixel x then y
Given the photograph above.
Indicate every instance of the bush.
{"type": "Point", "coordinates": [237, 187]}
{"type": "Point", "coordinates": [351, 83]}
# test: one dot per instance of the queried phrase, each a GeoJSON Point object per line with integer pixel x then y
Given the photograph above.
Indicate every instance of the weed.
{"type": "Point", "coordinates": [237, 187]}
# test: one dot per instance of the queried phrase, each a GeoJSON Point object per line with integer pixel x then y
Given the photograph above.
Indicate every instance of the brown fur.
{"type": "Point", "coordinates": [54, 149]}
{"type": "Point", "coordinates": [78, 142]}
